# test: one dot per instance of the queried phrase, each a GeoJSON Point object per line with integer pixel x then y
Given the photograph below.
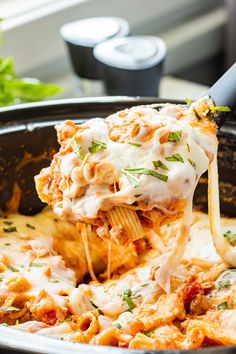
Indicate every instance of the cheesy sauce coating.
{"type": "Point", "coordinates": [41, 261]}
{"type": "Point", "coordinates": [39, 294]}
{"type": "Point", "coordinates": [127, 184]}
{"type": "Point", "coordinates": [132, 172]}
{"type": "Point", "coordinates": [139, 155]}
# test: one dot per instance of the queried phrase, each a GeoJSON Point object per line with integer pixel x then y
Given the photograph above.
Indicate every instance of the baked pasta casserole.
{"type": "Point", "coordinates": [122, 260]}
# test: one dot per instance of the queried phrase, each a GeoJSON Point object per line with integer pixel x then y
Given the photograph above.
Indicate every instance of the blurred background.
{"type": "Point", "coordinates": [198, 34]}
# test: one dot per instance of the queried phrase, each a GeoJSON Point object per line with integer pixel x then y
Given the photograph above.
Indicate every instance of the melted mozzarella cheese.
{"type": "Point", "coordinates": [29, 252]}
{"type": "Point", "coordinates": [109, 295]}
{"type": "Point", "coordinates": [194, 147]}
{"type": "Point", "coordinates": [200, 245]}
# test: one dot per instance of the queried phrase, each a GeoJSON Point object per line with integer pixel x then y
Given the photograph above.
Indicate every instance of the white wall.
{"type": "Point", "coordinates": [34, 40]}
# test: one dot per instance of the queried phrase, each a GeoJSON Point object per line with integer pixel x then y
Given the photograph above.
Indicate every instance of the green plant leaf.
{"type": "Point", "coordinates": [16, 90]}
{"type": "Point", "coordinates": [29, 90]}
{"type": "Point", "coordinates": [6, 67]}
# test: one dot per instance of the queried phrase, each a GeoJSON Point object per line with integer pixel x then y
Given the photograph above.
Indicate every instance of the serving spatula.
{"type": "Point", "coordinates": [223, 94]}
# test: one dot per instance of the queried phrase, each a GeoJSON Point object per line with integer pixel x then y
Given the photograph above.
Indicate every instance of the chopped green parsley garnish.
{"type": "Point", "coordinates": [38, 265]}
{"type": "Point", "coordinates": [159, 164]}
{"type": "Point", "coordinates": [192, 163]}
{"type": "Point", "coordinates": [188, 147]}
{"type": "Point", "coordinates": [9, 308]}
{"type": "Point", "coordinates": [10, 229]}
{"type": "Point", "coordinates": [54, 281]}
{"type": "Point", "coordinates": [225, 283]}
{"type": "Point", "coordinates": [196, 114]}
{"type": "Point", "coordinates": [133, 180]}
{"type": "Point", "coordinates": [127, 298]}
{"type": "Point", "coordinates": [148, 333]}
{"type": "Point", "coordinates": [175, 158]}
{"type": "Point", "coordinates": [68, 319]}
{"type": "Point", "coordinates": [228, 271]}
{"type": "Point", "coordinates": [97, 146]}
{"type": "Point", "coordinates": [137, 195]}
{"type": "Point", "coordinates": [188, 101]}
{"type": "Point", "coordinates": [146, 284]}
{"type": "Point", "coordinates": [131, 172]}
{"type": "Point", "coordinates": [222, 306]}
{"type": "Point", "coordinates": [30, 226]}
{"type": "Point", "coordinates": [220, 108]}
{"type": "Point", "coordinates": [7, 222]}
{"type": "Point", "coordinates": [0, 278]}
{"type": "Point", "coordinates": [135, 144]}
{"type": "Point", "coordinates": [77, 149]}
{"type": "Point", "coordinates": [94, 305]}
{"type": "Point", "coordinates": [7, 244]}
{"type": "Point", "coordinates": [230, 237]}
{"type": "Point", "coordinates": [118, 325]}
{"type": "Point", "coordinates": [175, 136]}
{"type": "Point", "coordinates": [12, 269]}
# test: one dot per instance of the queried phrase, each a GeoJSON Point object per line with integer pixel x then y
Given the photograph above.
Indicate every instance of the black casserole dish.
{"type": "Point", "coordinates": [27, 142]}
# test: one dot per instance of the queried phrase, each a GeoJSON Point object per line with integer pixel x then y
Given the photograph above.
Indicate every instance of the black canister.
{"type": "Point", "coordinates": [131, 65]}
{"type": "Point", "coordinates": [81, 37]}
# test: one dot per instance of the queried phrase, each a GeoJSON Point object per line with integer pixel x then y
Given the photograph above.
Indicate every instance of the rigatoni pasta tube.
{"type": "Point", "coordinates": [125, 225]}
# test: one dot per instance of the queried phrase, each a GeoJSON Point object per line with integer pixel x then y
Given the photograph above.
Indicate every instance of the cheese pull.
{"type": "Point", "coordinates": [223, 246]}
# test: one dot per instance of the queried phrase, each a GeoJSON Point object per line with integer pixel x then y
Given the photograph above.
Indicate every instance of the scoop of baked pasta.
{"type": "Point", "coordinates": [132, 172]}
{"type": "Point", "coordinates": [139, 165]}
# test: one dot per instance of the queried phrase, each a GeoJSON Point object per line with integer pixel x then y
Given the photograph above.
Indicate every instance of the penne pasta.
{"type": "Point", "coordinates": [125, 225]}
{"type": "Point", "coordinates": [87, 324]}
{"type": "Point", "coordinates": [18, 284]}
{"type": "Point", "coordinates": [109, 336]}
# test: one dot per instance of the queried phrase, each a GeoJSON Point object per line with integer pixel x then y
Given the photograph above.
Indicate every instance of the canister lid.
{"type": "Point", "coordinates": [91, 31]}
{"type": "Point", "coordinates": [131, 53]}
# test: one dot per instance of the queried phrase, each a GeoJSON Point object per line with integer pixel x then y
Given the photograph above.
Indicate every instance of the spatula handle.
{"type": "Point", "coordinates": [223, 92]}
